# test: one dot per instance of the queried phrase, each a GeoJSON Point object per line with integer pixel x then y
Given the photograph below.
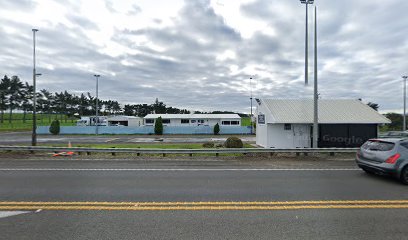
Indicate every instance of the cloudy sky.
{"type": "Point", "coordinates": [200, 54]}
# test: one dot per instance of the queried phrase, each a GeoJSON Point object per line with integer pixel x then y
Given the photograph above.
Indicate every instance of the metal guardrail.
{"type": "Point", "coordinates": [177, 151]}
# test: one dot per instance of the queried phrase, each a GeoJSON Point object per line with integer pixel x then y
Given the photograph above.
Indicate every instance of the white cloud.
{"type": "Point", "coordinates": [207, 49]}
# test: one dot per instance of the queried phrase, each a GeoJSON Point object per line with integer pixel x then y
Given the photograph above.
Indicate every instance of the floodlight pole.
{"type": "Point", "coordinates": [306, 2]}
{"type": "Point", "coordinates": [404, 123]}
{"type": "Point", "coordinates": [315, 94]}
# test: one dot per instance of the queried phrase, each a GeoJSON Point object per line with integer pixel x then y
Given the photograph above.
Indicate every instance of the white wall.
{"type": "Point", "coordinates": [261, 135]}
{"type": "Point", "coordinates": [209, 122]}
{"type": "Point", "coordinates": [297, 137]}
{"type": "Point", "coordinates": [135, 122]}
{"type": "Point", "coordinates": [262, 129]}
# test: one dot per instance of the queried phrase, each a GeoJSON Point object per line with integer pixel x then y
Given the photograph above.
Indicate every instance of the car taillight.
{"type": "Point", "coordinates": [393, 158]}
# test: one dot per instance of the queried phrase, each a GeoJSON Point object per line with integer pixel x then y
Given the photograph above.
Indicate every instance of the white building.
{"type": "Point", "coordinates": [92, 121]}
{"type": "Point", "coordinates": [129, 121]}
{"type": "Point", "coordinates": [288, 123]}
{"type": "Point", "coordinates": [194, 119]}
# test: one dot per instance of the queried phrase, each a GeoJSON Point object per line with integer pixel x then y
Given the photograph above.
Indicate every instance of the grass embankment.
{"type": "Point", "coordinates": [17, 122]}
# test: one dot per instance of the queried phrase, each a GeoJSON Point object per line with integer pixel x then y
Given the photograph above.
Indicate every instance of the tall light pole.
{"type": "Point", "coordinates": [306, 2]}
{"type": "Point", "coordinates": [96, 105]}
{"type": "Point", "coordinates": [315, 92]}
{"type": "Point", "coordinates": [404, 123]}
{"type": "Point", "coordinates": [250, 86]}
{"type": "Point", "coordinates": [34, 133]}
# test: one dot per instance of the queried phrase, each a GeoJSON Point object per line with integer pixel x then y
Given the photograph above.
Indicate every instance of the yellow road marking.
{"type": "Point", "coordinates": [206, 203]}
{"type": "Point", "coordinates": [196, 208]}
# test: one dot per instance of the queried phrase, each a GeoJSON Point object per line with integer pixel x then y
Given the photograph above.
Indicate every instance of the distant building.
{"type": "Point", "coordinates": [288, 123]}
{"type": "Point", "coordinates": [92, 121]}
{"type": "Point", "coordinates": [194, 119]}
{"type": "Point", "coordinates": [129, 121]}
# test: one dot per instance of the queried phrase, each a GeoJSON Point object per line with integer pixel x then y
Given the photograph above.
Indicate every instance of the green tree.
{"type": "Point", "coordinates": [14, 99]}
{"type": "Point", "coordinates": [26, 97]}
{"type": "Point", "coordinates": [158, 126]}
{"type": "Point", "coordinates": [45, 103]}
{"type": "Point", "coordinates": [374, 106]}
{"type": "Point", "coordinates": [396, 121]}
{"type": "Point", "coordinates": [55, 127]}
{"type": "Point", "coordinates": [4, 88]}
{"type": "Point", "coordinates": [216, 129]}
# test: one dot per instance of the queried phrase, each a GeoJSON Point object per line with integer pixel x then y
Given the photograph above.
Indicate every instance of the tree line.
{"type": "Point", "coordinates": [18, 95]}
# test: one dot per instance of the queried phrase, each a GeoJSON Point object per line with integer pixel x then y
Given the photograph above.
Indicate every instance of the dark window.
{"type": "Point", "coordinates": [226, 122]}
{"type": "Point", "coordinates": [288, 126]}
{"type": "Point", "coordinates": [183, 121]}
{"type": "Point", "coordinates": [405, 144]}
{"type": "Point", "coordinates": [149, 121]}
{"type": "Point", "coordinates": [234, 122]}
{"type": "Point", "coordinates": [378, 146]}
{"type": "Point", "coordinates": [166, 121]}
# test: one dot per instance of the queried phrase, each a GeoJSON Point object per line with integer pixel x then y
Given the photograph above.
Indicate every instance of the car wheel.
{"type": "Point", "coordinates": [404, 175]}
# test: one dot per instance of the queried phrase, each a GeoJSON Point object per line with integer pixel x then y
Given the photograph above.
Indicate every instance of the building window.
{"type": "Point", "coordinates": [149, 121]}
{"type": "Point", "coordinates": [200, 121]}
{"type": "Point", "coordinates": [234, 122]}
{"type": "Point", "coordinates": [193, 121]}
{"type": "Point", "coordinates": [166, 121]}
{"type": "Point", "coordinates": [226, 122]}
{"type": "Point", "coordinates": [185, 121]}
{"type": "Point", "coordinates": [288, 126]}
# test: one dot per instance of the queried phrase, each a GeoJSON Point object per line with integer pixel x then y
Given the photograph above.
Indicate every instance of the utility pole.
{"type": "Point", "coordinates": [34, 133]}
{"type": "Point", "coordinates": [315, 93]}
{"type": "Point", "coordinates": [404, 123]}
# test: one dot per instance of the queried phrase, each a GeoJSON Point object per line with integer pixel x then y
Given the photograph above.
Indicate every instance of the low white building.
{"type": "Point", "coordinates": [288, 123]}
{"type": "Point", "coordinates": [129, 121]}
{"type": "Point", "coordinates": [194, 119]}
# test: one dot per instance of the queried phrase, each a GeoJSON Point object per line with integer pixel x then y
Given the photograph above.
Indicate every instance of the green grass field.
{"type": "Point", "coordinates": [246, 121]}
{"type": "Point", "coordinates": [18, 124]}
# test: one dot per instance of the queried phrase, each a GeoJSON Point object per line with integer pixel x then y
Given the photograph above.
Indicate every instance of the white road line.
{"type": "Point", "coordinates": [4, 214]}
{"type": "Point", "coordinates": [179, 169]}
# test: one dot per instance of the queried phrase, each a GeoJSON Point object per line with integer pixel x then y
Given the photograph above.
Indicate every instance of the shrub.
{"type": "Point", "coordinates": [208, 144]}
{"type": "Point", "coordinates": [233, 142]}
{"type": "Point", "coordinates": [216, 129]}
{"type": "Point", "coordinates": [55, 127]}
{"type": "Point", "coordinates": [219, 145]}
{"type": "Point", "coordinates": [158, 126]}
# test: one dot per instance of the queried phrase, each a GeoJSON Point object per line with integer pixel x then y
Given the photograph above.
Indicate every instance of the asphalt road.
{"type": "Point", "coordinates": [241, 201]}
{"type": "Point", "coordinates": [10, 138]}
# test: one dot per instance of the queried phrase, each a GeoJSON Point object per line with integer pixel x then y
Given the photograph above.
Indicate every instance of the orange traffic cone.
{"type": "Point", "coordinates": [64, 153]}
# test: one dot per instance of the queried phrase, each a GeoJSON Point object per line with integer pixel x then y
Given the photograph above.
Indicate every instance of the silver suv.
{"type": "Point", "coordinates": [385, 156]}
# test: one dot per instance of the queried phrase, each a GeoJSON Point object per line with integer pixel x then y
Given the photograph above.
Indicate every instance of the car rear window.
{"type": "Point", "coordinates": [378, 146]}
{"type": "Point", "coordinates": [404, 144]}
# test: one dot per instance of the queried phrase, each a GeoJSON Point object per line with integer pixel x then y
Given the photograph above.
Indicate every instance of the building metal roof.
{"type": "Point", "coordinates": [331, 111]}
{"type": "Point", "coordinates": [194, 116]}
{"type": "Point", "coordinates": [122, 118]}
